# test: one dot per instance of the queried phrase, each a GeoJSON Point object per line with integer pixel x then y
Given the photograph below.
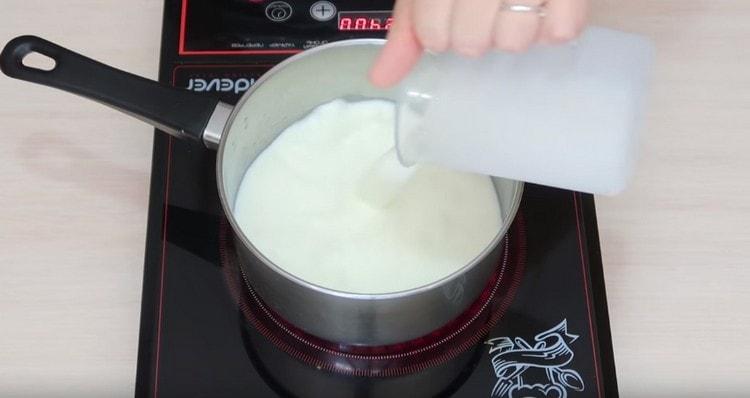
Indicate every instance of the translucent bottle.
{"type": "Point", "coordinates": [564, 116]}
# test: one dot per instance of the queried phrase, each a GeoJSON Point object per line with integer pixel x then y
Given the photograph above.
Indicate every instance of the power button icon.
{"type": "Point", "coordinates": [279, 11]}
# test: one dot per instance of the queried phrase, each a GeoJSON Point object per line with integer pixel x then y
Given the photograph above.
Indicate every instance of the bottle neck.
{"type": "Point", "coordinates": [416, 94]}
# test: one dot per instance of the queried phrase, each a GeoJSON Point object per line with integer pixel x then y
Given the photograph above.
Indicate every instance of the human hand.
{"type": "Point", "coordinates": [471, 28]}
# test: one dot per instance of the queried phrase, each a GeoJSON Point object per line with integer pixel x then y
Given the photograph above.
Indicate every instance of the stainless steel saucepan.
{"type": "Point", "coordinates": [283, 95]}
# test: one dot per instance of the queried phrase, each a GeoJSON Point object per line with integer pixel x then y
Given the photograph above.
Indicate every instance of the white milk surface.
{"type": "Point", "coordinates": [301, 204]}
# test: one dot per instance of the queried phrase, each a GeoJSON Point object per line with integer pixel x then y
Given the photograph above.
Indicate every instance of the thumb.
{"type": "Point", "coordinates": [402, 50]}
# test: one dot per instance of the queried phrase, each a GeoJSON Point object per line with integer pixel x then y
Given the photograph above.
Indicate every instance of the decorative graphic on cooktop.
{"type": "Point", "coordinates": [539, 370]}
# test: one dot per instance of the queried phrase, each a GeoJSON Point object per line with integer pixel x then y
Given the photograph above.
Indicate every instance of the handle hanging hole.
{"type": "Point", "coordinates": [39, 61]}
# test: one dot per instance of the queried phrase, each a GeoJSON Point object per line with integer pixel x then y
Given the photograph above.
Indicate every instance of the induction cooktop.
{"type": "Point", "coordinates": [539, 329]}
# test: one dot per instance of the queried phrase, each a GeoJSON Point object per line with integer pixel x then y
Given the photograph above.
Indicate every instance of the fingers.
{"type": "Point", "coordinates": [564, 20]}
{"type": "Point", "coordinates": [471, 30]}
{"type": "Point", "coordinates": [516, 31]}
{"type": "Point", "coordinates": [402, 50]}
{"type": "Point", "coordinates": [471, 27]}
{"type": "Point", "coordinates": [432, 23]}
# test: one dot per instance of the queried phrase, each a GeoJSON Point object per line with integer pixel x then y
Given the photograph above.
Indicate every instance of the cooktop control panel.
{"type": "Point", "coordinates": [218, 27]}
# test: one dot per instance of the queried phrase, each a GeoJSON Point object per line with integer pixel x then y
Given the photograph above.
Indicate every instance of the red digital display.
{"type": "Point", "coordinates": [365, 20]}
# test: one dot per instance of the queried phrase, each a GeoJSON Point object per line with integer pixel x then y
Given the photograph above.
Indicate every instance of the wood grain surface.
{"type": "Point", "coordinates": [74, 192]}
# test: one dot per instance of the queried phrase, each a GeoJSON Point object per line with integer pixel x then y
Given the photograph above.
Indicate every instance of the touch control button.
{"type": "Point", "coordinates": [323, 11]}
{"type": "Point", "coordinates": [279, 11]}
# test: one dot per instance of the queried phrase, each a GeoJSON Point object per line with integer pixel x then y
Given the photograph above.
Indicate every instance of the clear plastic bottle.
{"type": "Point", "coordinates": [564, 116]}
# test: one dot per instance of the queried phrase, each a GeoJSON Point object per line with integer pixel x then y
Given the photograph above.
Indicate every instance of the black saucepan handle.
{"type": "Point", "coordinates": [178, 112]}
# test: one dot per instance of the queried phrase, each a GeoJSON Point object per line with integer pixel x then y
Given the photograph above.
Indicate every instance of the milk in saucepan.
{"type": "Point", "coordinates": [301, 204]}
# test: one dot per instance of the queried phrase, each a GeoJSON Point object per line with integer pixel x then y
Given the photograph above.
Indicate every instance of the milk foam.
{"type": "Point", "coordinates": [301, 204]}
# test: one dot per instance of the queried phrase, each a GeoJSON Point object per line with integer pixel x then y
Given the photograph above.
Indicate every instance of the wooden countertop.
{"type": "Point", "coordinates": [74, 178]}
